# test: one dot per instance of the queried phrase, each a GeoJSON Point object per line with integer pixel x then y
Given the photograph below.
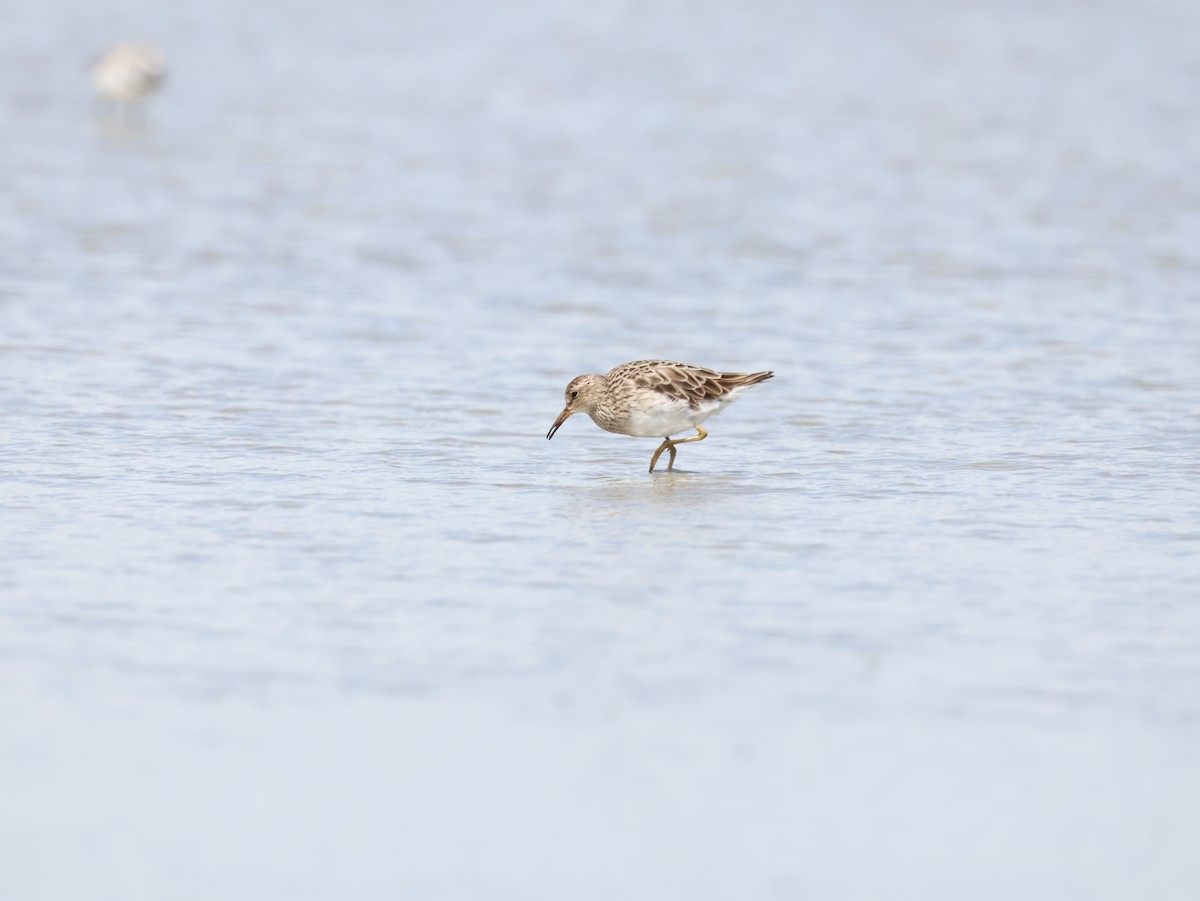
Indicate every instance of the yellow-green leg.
{"type": "Point", "coordinates": [668, 444]}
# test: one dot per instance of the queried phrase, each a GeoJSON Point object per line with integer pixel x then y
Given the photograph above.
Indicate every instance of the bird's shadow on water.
{"type": "Point", "coordinates": [660, 488]}
{"type": "Point", "coordinates": [122, 128]}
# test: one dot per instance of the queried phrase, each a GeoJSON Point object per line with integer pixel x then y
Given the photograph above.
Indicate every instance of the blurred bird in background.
{"type": "Point", "coordinates": [126, 75]}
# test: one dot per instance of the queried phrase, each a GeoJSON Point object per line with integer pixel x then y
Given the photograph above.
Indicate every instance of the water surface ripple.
{"type": "Point", "coordinates": [297, 601]}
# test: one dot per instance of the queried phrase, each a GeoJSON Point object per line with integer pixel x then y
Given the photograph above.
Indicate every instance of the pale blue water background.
{"type": "Point", "coordinates": [297, 602]}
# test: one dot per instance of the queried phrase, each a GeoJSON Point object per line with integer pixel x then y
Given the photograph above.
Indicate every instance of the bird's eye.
{"type": "Point", "coordinates": [574, 394]}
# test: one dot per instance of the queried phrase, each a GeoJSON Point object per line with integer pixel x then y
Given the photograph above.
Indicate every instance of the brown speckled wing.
{"type": "Point", "coordinates": [684, 381]}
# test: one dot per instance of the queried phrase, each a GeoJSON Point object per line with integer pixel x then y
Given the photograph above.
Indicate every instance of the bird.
{"type": "Point", "coordinates": [128, 73]}
{"type": "Point", "coordinates": [652, 398]}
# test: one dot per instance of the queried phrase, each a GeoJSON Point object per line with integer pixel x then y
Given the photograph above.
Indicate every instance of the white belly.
{"type": "Point", "coordinates": [671, 419]}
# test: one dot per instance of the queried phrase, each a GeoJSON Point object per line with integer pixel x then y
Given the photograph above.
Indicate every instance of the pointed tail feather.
{"type": "Point", "coordinates": [745, 379]}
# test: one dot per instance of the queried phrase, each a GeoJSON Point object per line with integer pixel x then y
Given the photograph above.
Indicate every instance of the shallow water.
{"type": "Point", "coordinates": [296, 600]}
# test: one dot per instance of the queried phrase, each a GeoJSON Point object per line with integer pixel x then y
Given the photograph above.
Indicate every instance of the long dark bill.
{"type": "Point", "coordinates": [562, 417]}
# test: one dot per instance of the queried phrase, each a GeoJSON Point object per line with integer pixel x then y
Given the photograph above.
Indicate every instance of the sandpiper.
{"type": "Point", "coordinates": [128, 73]}
{"type": "Point", "coordinates": [652, 398]}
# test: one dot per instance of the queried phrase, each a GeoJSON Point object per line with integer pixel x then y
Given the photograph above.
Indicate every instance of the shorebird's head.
{"type": "Point", "coordinates": [580, 395]}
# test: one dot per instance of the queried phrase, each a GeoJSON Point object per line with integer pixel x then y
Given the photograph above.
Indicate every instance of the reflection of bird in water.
{"type": "Point", "coordinates": [648, 398]}
{"type": "Point", "coordinates": [127, 74]}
